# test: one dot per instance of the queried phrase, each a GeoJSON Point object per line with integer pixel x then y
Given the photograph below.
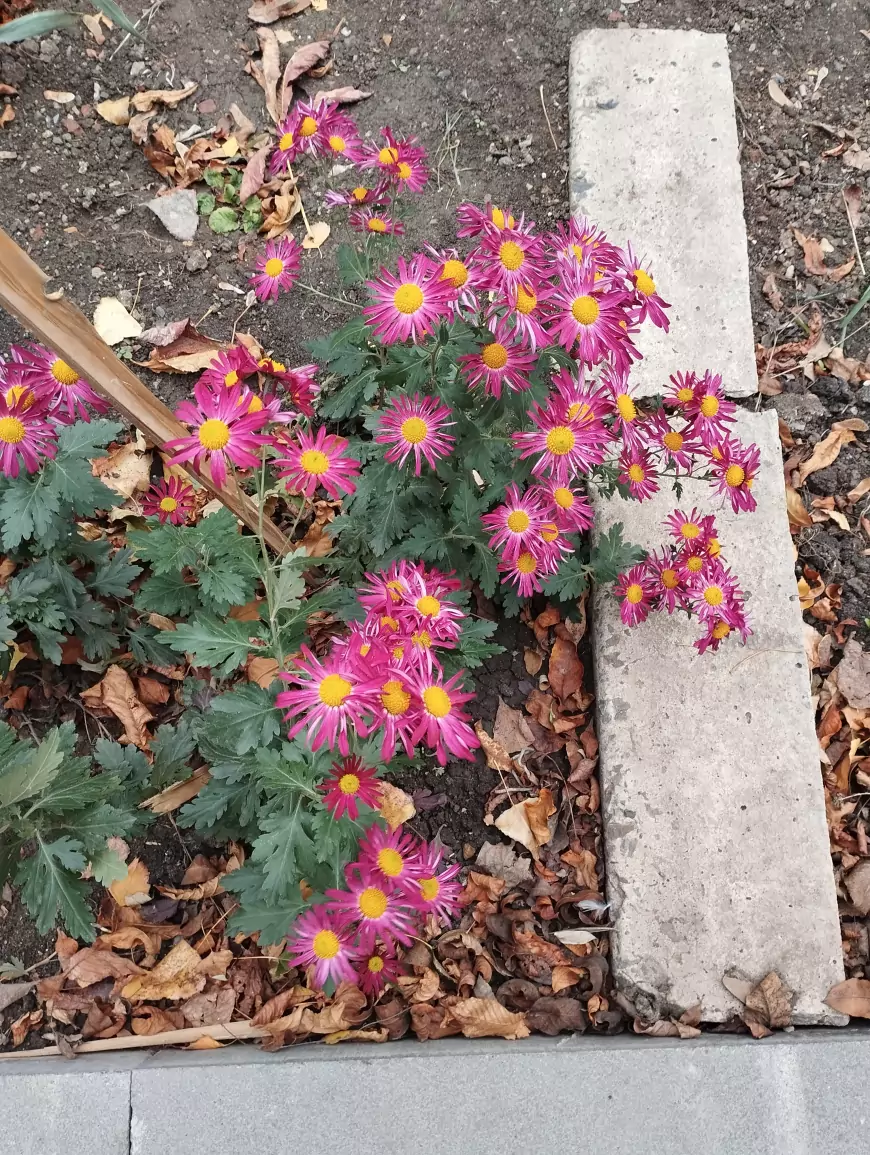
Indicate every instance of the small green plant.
{"type": "Point", "coordinates": [221, 205]}
{"type": "Point", "coordinates": [42, 23]}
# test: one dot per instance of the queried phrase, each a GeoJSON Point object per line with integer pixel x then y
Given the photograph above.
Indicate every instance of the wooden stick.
{"type": "Point", "coordinates": [219, 1033]}
{"type": "Point", "coordinates": [64, 328]}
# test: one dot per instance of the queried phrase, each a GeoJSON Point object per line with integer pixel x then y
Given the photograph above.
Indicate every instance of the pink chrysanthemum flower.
{"type": "Point", "coordinates": [693, 563]}
{"type": "Point", "coordinates": [52, 378]}
{"type": "Point", "coordinates": [416, 425]}
{"type": "Point", "coordinates": [289, 144]}
{"type": "Point", "coordinates": [299, 383]}
{"type": "Point", "coordinates": [526, 313]}
{"type": "Point", "coordinates": [358, 195]}
{"type": "Point", "coordinates": [171, 501]}
{"type": "Point", "coordinates": [501, 363]}
{"type": "Point", "coordinates": [410, 173]}
{"type": "Point", "coordinates": [668, 588]}
{"type": "Point", "coordinates": [396, 150]}
{"type": "Point", "coordinates": [570, 510]}
{"type": "Point", "coordinates": [490, 219]}
{"type": "Point", "coordinates": [461, 276]}
{"type": "Point", "coordinates": [586, 316]}
{"type": "Point", "coordinates": [576, 241]}
{"type": "Point", "coordinates": [637, 472]}
{"type": "Point", "coordinates": [340, 134]}
{"type": "Point", "coordinates": [229, 368]}
{"type": "Point", "coordinates": [716, 631]}
{"type": "Point", "coordinates": [635, 589]}
{"type": "Point", "coordinates": [220, 431]}
{"type": "Point", "coordinates": [555, 545]}
{"type": "Point", "coordinates": [375, 221]}
{"type": "Point", "coordinates": [714, 595]}
{"type": "Point", "coordinates": [566, 447]}
{"type": "Point", "coordinates": [26, 437]}
{"type": "Point", "coordinates": [407, 306]}
{"type": "Point", "coordinates": [329, 699]}
{"type": "Point", "coordinates": [509, 259]}
{"type": "Point", "coordinates": [628, 423]}
{"type": "Point", "coordinates": [317, 940]}
{"type": "Point", "coordinates": [647, 299]}
{"type": "Point", "coordinates": [350, 783]}
{"type": "Point", "coordinates": [384, 590]}
{"type": "Point", "coordinates": [397, 714]}
{"type": "Point", "coordinates": [443, 725]}
{"type": "Point", "coordinates": [517, 523]}
{"type": "Point", "coordinates": [392, 856]}
{"type": "Point", "coordinates": [268, 404]}
{"type": "Point", "coordinates": [692, 529]}
{"type": "Point", "coordinates": [678, 447]}
{"type": "Point", "coordinates": [424, 606]}
{"type": "Point", "coordinates": [312, 126]}
{"type": "Point", "coordinates": [380, 912]}
{"type": "Point", "coordinates": [318, 459]}
{"type": "Point", "coordinates": [709, 410]}
{"type": "Point", "coordinates": [681, 393]}
{"type": "Point", "coordinates": [735, 472]}
{"type": "Point", "coordinates": [375, 969]}
{"type": "Point", "coordinates": [277, 269]}
{"type": "Point", "coordinates": [527, 570]}
{"type": "Point", "coordinates": [434, 892]}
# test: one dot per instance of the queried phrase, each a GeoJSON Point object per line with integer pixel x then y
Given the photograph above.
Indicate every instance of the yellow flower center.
{"type": "Point", "coordinates": [364, 650]}
{"type": "Point", "coordinates": [577, 250]}
{"type": "Point", "coordinates": [272, 366]}
{"type": "Point", "coordinates": [398, 653]}
{"type": "Point", "coordinates": [348, 783]}
{"type": "Point", "coordinates": [518, 521]}
{"type": "Point", "coordinates": [286, 142]}
{"type": "Point", "coordinates": [549, 532]}
{"type": "Point", "coordinates": [376, 225]}
{"type": "Point", "coordinates": [308, 127]}
{"type": "Point", "coordinates": [636, 473]}
{"type": "Point", "coordinates": [231, 379]}
{"type": "Point", "coordinates": [713, 547]}
{"type": "Point", "coordinates": [62, 373]}
{"type": "Point", "coordinates": [414, 430]}
{"type": "Point", "coordinates": [337, 143]}
{"type": "Point", "coordinates": [395, 698]}
{"type": "Point", "coordinates": [389, 623]}
{"type": "Point", "coordinates": [669, 579]}
{"type": "Point", "coordinates": [403, 170]}
{"type": "Point", "coordinates": [12, 431]}
{"type": "Point", "coordinates": [372, 902]}
{"type": "Point", "coordinates": [455, 272]}
{"type": "Point", "coordinates": [314, 462]}
{"type": "Point", "coordinates": [685, 394]}
{"type": "Point", "coordinates": [560, 440]}
{"type": "Point", "coordinates": [526, 301]}
{"type": "Point", "coordinates": [497, 217]}
{"type": "Point", "coordinates": [585, 310]}
{"type": "Point", "coordinates": [716, 453]}
{"type": "Point", "coordinates": [710, 405]}
{"type": "Point", "coordinates": [168, 504]}
{"type": "Point", "coordinates": [511, 255]}
{"type": "Point", "coordinates": [437, 701]}
{"type": "Point", "coordinates": [563, 497]}
{"type": "Point", "coordinates": [526, 563]}
{"type": "Point", "coordinates": [359, 193]}
{"type": "Point", "coordinates": [494, 356]}
{"type": "Point", "coordinates": [214, 434]}
{"type": "Point", "coordinates": [673, 441]}
{"type": "Point", "coordinates": [735, 475]}
{"type": "Point", "coordinates": [429, 888]}
{"type": "Point", "coordinates": [408, 298]}
{"type": "Point", "coordinates": [274, 267]}
{"type": "Point", "coordinates": [375, 964]}
{"type": "Point", "coordinates": [714, 596]}
{"type": "Point", "coordinates": [256, 404]}
{"type": "Point", "coordinates": [690, 530]}
{"type": "Point", "coordinates": [721, 630]}
{"type": "Point", "coordinates": [578, 410]}
{"type": "Point", "coordinates": [333, 690]}
{"type": "Point", "coordinates": [644, 282]}
{"type": "Point", "coordinates": [626, 407]}
{"type": "Point", "coordinates": [15, 393]}
{"type": "Point", "coordinates": [428, 606]}
{"type": "Point", "coordinates": [390, 862]}
{"type": "Point", "coordinates": [325, 944]}
{"type": "Point", "coordinates": [695, 564]}
{"type": "Point", "coordinates": [634, 593]}
{"type": "Point", "coordinates": [388, 155]}
{"type": "Point", "coordinates": [422, 638]}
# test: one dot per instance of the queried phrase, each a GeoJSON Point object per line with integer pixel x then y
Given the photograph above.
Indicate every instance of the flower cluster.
{"type": "Point", "coordinates": [384, 675]}
{"type": "Point", "coordinates": [687, 573]}
{"type": "Point", "coordinates": [38, 392]}
{"type": "Point", "coordinates": [395, 884]}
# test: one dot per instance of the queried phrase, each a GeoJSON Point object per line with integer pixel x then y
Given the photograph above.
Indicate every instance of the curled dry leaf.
{"type": "Point", "coordinates": [127, 469]}
{"type": "Point", "coordinates": [512, 730]}
{"type": "Point", "coordinates": [90, 965]}
{"type": "Point", "coordinates": [396, 806]}
{"type": "Point", "coordinates": [178, 975]}
{"type": "Point", "coordinates": [777, 95]}
{"type": "Point", "coordinates": [177, 794]}
{"type": "Point", "coordinates": [551, 1016]}
{"type": "Point", "coordinates": [500, 861]}
{"type": "Point", "coordinates": [117, 695]}
{"type": "Point", "coordinates": [853, 676]}
{"type": "Point", "coordinates": [255, 173]}
{"type": "Point", "coordinates": [565, 672]}
{"type": "Point", "coordinates": [826, 451]}
{"type": "Point", "coordinates": [155, 1020]}
{"type": "Point", "coordinates": [318, 235]}
{"type": "Point", "coordinates": [214, 1005]}
{"type": "Point", "coordinates": [366, 1035]}
{"type": "Point", "coordinates": [305, 58]}
{"type": "Point", "coordinates": [263, 671]}
{"type": "Point", "coordinates": [268, 11]}
{"type": "Point", "coordinates": [798, 515]}
{"type": "Point", "coordinates": [268, 73]}
{"type": "Point", "coordinates": [770, 1001]}
{"type": "Point", "coordinates": [134, 888]}
{"type": "Point", "coordinates": [114, 323]}
{"type": "Point", "coordinates": [497, 758]}
{"type": "Point", "coordinates": [487, 1018]}
{"type": "Point", "coordinates": [527, 822]}
{"type": "Point", "coordinates": [345, 95]}
{"type": "Point", "coordinates": [145, 101]}
{"type": "Point", "coordinates": [814, 259]}
{"type": "Point", "coordinates": [772, 293]}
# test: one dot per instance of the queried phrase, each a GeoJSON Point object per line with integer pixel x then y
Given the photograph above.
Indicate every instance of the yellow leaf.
{"type": "Point", "coordinates": [127, 470]}
{"type": "Point", "coordinates": [114, 323]}
{"type": "Point", "coordinates": [115, 111]}
{"type": "Point", "coordinates": [134, 888]}
{"type": "Point", "coordinates": [177, 794]}
{"type": "Point", "coordinates": [396, 806]}
{"type": "Point", "coordinates": [320, 230]}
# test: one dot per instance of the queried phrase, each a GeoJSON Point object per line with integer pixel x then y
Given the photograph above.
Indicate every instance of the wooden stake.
{"type": "Point", "coordinates": [65, 329]}
{"type": "Point", "coordinates": [220, 1033]}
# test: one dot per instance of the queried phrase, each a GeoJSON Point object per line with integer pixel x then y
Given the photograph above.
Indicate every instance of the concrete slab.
{"type": "Point", "coordinates": [654, 160]}
{"type": "Point", "coordinates": [714, 819]}
{"type": "Point", "coordinates": [492, 1098]}
{"type": "Point", "coordinates": [62, 1112]}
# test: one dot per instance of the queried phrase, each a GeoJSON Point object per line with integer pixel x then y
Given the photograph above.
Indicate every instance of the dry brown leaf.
{"type": "Point", "coordinates": [512, 730]}
{"type": "Point", "coordinates": [305, 58]}
{"type": "Point", "coordinates": [11, 993]}
{"type": "Point", "coordinates": [263, 671]}
{"type": "Point", "coordinates": [771, 291]}
{"type": "Point", "coordinates": [92, 23]}
{"type": "Point", "coordinates": [22, 1027]}
{"type": "Point", "coordinates": [177, 794]}
{"type": "Point", "coordinates": [188, 351]}
{"type": "Point", "coordinates": [565, 976]}
{"type": "Point", "coordinates": [178, 975]}
{"type": "Point", "coordinates": [159, 622]}
{"type": "Point", "coordinates": [255, 173]}
{"type": "Point", "coordinates": [487, 1018]}
{"type": "Point", "coordinates": [134, 889]}
{"type": "Point", "coordinates": [317, 236]}
{"type": "Point", "coordinates": [396, 806]}
{"type": "Point", "coordinates": [278, 1006]}
{"type": "Point", "coordinates": [826, 451]}
{"type": "Point", "coordinates": [851, 997]}
{"type": "Point", "coordinates": [526, 822]}
{"type": "Point", "coordinates": [91, 965]}
{"type": "Point", "coordinates": [117, 694]}
{"type": "Point", "coordinates": [152, 692]}
{"type": "Point", "coordinates": [499, 860]}
{"type": "Point", "coordinates": [862, 488]}
{"type": "Point", "coordinates": [853, 676]}
{"type": "Point", "coordinates": [777, 95]}
{"type": "Point", "coordinates": [771, 1001]}
{"type": "Point", "coordinates": [366, 1035]}
{"type": "Point", "coordinates": [115, 111]}
{"type": "Point", "coordinates": [268, 73]}
{"type": "Point", "coordinates": [565, 672]}
{"type": "Point", "coordinates": [852, 199]}
{"type": "Point", "coordinates": [347, 1010]}
{"type": "Point", "coordinates": [814, 259]}
{"type": "Point", "coordinates": [155, 1020]}
{"type": "Point", "coordinates": [497, 758]}
{"type": "Point", "coordinates": [268, 11]}
{"type": "Point", "coordinates": [209, 1007]}
{"type": "Point", "coordinates": [145, 101]}
{"type": "Point", "coordinates": [532, 661]}
{"type": "Point", "coordinates": [345, 95]}
{"type": "Point", "coordinates": [127, 469]}
{"type": "Point", "coordinates": [798, 514]}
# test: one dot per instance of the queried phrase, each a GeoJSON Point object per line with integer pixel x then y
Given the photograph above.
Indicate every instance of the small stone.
{"type": "Point", "coordinates": [177, 212]}
{"type": "Point", "coordinates": [196, 262]}
{"type": "Point", "coordinates": [137, 67]}
{"type": "Point", "coordinates": [48, 49]}
{"type": "Point", "coordinates": [126, 298]}
{"type": "Point", "coordinates": [97, 272]}
{"type": "Point", "coordinates": [864, 393]}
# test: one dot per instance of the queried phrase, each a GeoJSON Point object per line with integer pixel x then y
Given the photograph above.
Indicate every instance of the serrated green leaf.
{"type": "Point", "coordinates": [223, 219]}
{"type": "Point", "coordinates": [269, 920]}
{"type": "Point", "coordinates": [223, 645]}
{"type": "Point", "coordinates": [611, 554]}
{"type": "Point", "coordinates": [28, 507]}
{"type": "Point", "coordinates": [250, 715]}
{"type": "Point", "coordinates": [282, 851]}
{"type": "Point", "coordinates": [30, 770]}
{"type": "Point", "coordinates": [107, 866]}
{"type": "Point", "coordinates": [147, 647]}
{"type": "Point", "coordinates": [114, 577]}
{"type": "Point", "coordinates": [49, 884]}
{"type": "Point", "coordinates": [221, 588]}
{"type": "Point", "coordinates": [170, 592]}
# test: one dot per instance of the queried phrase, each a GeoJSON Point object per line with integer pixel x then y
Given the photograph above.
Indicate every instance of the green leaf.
{"type": "Point", "coordinates": [611, 554]}
{"type": "Point", "coordinates": [172, 746]}
{"type": "Point", "coordinates": [270, 920]}
{"type": "Point", "coordinates": [113, 578]}
{"type": "Point", "coordinates": [170, 592]}
{"type": "Point", "coordinates": [126, 762]}
{"type": "Point", "coordinates": [282, 850]}
{"type": "Point", "coordinates": [107, 866]}
{"type": "Point", "coordinates": [28, 505]}
{"type": "Point", "coordinates": [211, 804]}
{"type": "Point", "coordinates": [118, 16]}
{"type": "Point", "coordinates": [354, 265]}
{"type": "Point", "coordinates": [290, 586]}
{"type": "Point", "coordinates": [223, 645]}
{"type": "Point", "coordinates": [30, 770]}
{"type": "Point", "coordinates": [214, 178]}
{"type": "Point", "coordinates": [569, 582]}
{"type": "Point", "coordinates": [36, 24]}
{"type": "Point", "coordinates": [49, 883]}
{"type": "Point", "coordinates": [472, 644]}
{"type": "Point", "coordinates": [251, 717]}
{"type": "Point", "coordinates": [348, 400]}
{"type": "Point", "coordinates": [288, 774]}
{"type": "Point", "coordinates": [148, 649]}
{"type": "Point", "coordinates": [206, 203]}
{"type": "Point", "coordinates": [223, 220]}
